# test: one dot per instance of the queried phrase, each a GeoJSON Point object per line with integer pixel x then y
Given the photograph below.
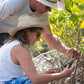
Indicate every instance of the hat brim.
{"type": "Point", "coordinates": [14, 30]}
{"type": "Point", "coordinates": [59, 5]}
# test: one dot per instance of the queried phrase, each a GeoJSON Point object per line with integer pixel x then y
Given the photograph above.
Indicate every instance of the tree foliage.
{"type": "Point", "coordinates": [69, 23]}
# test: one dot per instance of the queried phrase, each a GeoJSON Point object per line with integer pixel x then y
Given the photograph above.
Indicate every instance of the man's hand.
{"type": "Point", "coordinates": [73, 53]}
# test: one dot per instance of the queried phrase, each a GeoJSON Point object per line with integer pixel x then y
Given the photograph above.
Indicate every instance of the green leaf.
{"type": "Point", "coordinates": [75, 10]}
{"type": "Point", "coordinates": [82, 24]}
{"type": "Point", "coordinates": [81, 6]}
{"type": "Point", "coordinates": [76, 1]}
{"type": "Point", "coordinates": [68, 10]}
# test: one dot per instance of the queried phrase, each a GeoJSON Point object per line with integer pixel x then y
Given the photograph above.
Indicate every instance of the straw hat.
{"type": "Point", "coordinates": [55, 4]}
{"type": "Point", "coordinates": [27, 21]}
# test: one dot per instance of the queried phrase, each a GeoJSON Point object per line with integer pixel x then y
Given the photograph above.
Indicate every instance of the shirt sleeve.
{"type": "Point", "coordinates": [43, 18]}
{"type": "Point", "coordinates": [11, 7]}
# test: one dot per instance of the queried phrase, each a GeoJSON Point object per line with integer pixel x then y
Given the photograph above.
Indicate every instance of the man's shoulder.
{"type": "Point", "coordinates": [43, 18]}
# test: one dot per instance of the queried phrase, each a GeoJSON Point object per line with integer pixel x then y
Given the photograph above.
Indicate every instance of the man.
{"type": "Point", "coordinates": [10, 10]}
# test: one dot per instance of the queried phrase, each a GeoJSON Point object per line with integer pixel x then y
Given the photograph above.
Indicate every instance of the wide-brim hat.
{"type": "Point", "coordinates": [55, 4]}
{"type": "Point", "coordinates": [28, 21]}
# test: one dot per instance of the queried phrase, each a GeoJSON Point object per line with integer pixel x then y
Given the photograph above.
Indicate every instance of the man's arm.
{"type": "Point", "coordinates": [55, 43]}
{"type": "Point", "coordinates": [11, 7]}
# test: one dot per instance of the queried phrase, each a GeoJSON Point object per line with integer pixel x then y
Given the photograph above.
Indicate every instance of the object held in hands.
{"type": "Point", "coordinates": [70, 63]}
{"type": "Point", "coordinates": [76, 53]}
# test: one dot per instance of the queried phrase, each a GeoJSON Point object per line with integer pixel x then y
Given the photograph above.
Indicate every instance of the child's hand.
{"type": "Point", "coordinates": [51, 71]}
{"type": "Point", "coordinates": [67, 71]}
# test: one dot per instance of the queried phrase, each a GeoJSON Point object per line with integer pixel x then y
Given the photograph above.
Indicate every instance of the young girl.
{"type": "Point", "coordinates": [16, 66]}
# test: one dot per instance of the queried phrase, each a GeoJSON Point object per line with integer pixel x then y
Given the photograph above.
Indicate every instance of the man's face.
{"type": "Point", "coordinates": [42, 8]}
{"type": "Point", "coordinates": [37, 6]}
